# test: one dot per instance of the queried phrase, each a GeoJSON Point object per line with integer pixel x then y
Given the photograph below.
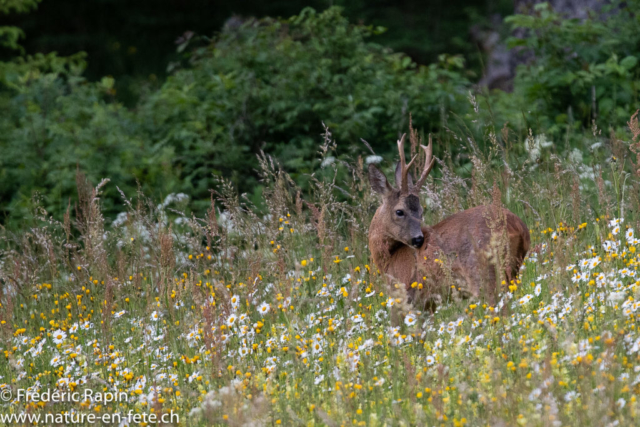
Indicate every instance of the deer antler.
{"type": "Point", "coordinates": [429, 161]}
{"type": "Point", "coordinates": [404, 167]}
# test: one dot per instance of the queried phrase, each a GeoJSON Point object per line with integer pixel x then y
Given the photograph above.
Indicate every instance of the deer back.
{"type": "Point", "coordinates": [473, 251]}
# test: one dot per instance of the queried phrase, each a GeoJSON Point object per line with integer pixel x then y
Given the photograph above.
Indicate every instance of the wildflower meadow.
{"type": "Point", "coordinates": [276, 316]}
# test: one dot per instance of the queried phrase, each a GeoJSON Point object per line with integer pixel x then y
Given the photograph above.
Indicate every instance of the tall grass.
{"type": "Point", "coordinates": [277, 316]}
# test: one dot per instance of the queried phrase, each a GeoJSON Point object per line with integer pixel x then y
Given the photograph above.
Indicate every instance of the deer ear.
{"type": "Point", "coordinates": [399, 177]}
{"type": "Point", "coordinates": [378, 181]}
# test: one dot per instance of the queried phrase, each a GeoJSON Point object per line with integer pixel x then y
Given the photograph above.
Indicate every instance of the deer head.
{"type": "Point", "coordinates": [401, 212]}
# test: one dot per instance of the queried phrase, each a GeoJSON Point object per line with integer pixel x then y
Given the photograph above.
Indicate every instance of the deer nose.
{"type": "Point", "coordinates": [417, 242]}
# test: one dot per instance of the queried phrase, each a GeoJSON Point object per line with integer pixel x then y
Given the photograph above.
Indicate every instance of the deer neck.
{"type": "Point", "coordinates": [381, 244]}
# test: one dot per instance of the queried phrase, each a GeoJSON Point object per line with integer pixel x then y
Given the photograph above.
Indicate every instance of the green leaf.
{"type": "Point", "coordinates": [629, 62]}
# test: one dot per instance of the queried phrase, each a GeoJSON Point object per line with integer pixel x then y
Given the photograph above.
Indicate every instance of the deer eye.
{"type": "Point", "coordinates": [400, 213]}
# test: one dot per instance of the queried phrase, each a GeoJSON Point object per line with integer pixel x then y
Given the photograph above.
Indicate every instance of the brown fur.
{"type": "Point", "coordinates": [469, 251]}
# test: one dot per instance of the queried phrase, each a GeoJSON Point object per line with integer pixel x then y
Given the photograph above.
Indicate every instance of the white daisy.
{"type": "Point", "coordinates": [616, 221]}
{"type": "Point", "coordinates": [316, 348]}
{"type": "Point", "coordinates": [244, 351]}
{"type": "Point", "coordinates": [235, 301]}
{"type": "Point", "coordinates": [537, 289]}
{"type": "Point", "coordinates": [59, 336]}
{"type": "Point", "coordinates": [380, 315]}
{"type": "Point", "coordinates": [609, 246]}
{"type": "Point", "coordinates": [264, 308]}
{"type": "Point", "coordinates": [410, 319]}
{"type": "Point", "coordinates": [629, 235]}
{"type": "Point", "coordinates": [231, 320]}
{"type": "Point", "coordinates": [55, 360]}
{"type": "Point", "coordinates": [525, 299]}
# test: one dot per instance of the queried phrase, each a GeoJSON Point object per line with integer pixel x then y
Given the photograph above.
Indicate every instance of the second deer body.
{"type": "Point", "coordinates": [469, 251]}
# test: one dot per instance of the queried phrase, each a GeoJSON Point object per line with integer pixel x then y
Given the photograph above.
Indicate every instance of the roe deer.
{"type": "Point", "coordinates": [467, 251]}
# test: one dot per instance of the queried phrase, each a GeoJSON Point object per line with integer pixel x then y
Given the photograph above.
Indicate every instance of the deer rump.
{"type": "Point", "coordinates": [463, 256]}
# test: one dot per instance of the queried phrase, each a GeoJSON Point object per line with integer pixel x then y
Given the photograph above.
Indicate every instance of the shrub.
{"type": "Point", "coordinates": [268, 86]}
{"type": "Point", "coordinates": [579, 71]}
{"type": "Point", "coordinates": [54, 122]}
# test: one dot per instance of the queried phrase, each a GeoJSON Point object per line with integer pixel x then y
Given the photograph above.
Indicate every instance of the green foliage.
{"type": "Point", "coordinates": [265, 87]}
{"type": "Point", "coordinates": [577, 65]}
{"type": "Point", "coordinates": [134, 39]}
{"type": "Point", "coordinates": [18, 6]}
{"type": "Point", "coordinates": [270, 84]}
{"type": "Point", "coordinates": [53, 122]}
{"type": "Point", "coordinates": [9, 35]}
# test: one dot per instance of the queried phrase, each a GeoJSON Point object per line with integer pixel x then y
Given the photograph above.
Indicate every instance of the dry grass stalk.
{"type": "Point", "coordinates": [575, 200]}
{"type": "Point", "coordinates": [634, 127]}
{"type": "Point", "coordinates": [603, 197]}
